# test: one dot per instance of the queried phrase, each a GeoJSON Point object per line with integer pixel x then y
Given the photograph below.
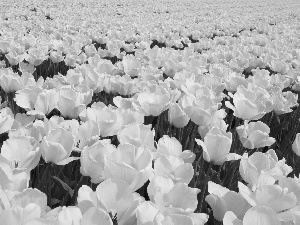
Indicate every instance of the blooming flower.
{"type": "Point", "coordinates": [216, 147]}
{"type": "Point", "coordinates": [57, 146]}
{"type": "Point", "coordinates": [255, 135]}
{"type": "Point", "coordinates": [222, 200]}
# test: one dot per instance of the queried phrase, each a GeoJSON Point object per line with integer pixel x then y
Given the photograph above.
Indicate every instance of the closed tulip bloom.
{"type": "Point", "coordinates": [216, 147]}
{"type": "Point", "coordinates": [255, 135]}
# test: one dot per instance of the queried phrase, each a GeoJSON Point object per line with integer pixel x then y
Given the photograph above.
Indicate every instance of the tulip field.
{"type": "Point", "coordinates": [136, 112]}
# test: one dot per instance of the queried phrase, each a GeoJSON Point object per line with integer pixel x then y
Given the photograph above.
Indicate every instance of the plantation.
{"type": "Point", "coordinates": [149, 113]}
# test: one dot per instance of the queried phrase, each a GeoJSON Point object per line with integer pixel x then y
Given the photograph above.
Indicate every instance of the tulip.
{"type": "Point", "coordinates": [131, 164]}
{"type": "Point", "coordinates": [6, 119]}
{"type": "Point", "coordinates": [70, 215]}
{"type": "Point", "coordinates": [112, 196]}
{"type": "Point", "coordinates": [169, 199]}
{"type": "Point", "coordinates": [200, 110]}
{"type": "Point", "coordinates": [22, 152]}
{"type": "Point", "coordinates": [175, 168]}
{"type": "Point", "coordinates": [262, 168]}
{"type": "Point", "coordinates": [255, 135]}
{"type": "Point", "coordinates": [20, 215]}
{"type": "Point", "coordinates": [57, 146]}
{"type": "Point", "coordinates": [216, 147]}
{"type": "Point", "coordinates": [296, 145]}
{"type": "Point", "coordinates": [131, 66]}
{"type": "Point", "coordinates": [11, 179]}
{"type": "Point", "coordinates": [222, 200]}
{"type": "Point", "coordinates": [137, 135]}
{"type": "Point", "coordinates": [250, 103]}
{"type": "Point", "coordinates": [258, 215]}
{"type": "Point", "coordinates": [106, 118]}
{"type": "Point", "coordinates": [36, 56]}
{"type": "Point", "coordinates": [152, 103]}
{"type": "Point", "coordinates": [176, 116]}
{"type": "Point", "coordinates": [93, 161]}
{"type": "Point", "coordinates": [272, 196]}
{"type": "Point", "coordinates": [171, 146]}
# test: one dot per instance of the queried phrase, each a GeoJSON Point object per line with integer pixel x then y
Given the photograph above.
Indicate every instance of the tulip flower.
{"type": "Point", "coordinates": [171, 146]}
{"type": "Point", "coordinates": [200, 110]}
{"type": "Point", "coordinates": [112, 196]}
{"type": "Point", "coordinates": [250, 103]}
{"type": "Point", "coordinates": [258, 215]}
{"type": "Point", "coordinates": [70, 215]}
{"type": "Point", "coordinates": [88, 133]}
{"type": "Point", "coordinates": [255, 135]}
{"type": "Point", "coordinates": [106, 118]}
{"type": "Point", "coordinates": [10, 179]}
{"type": "Point", "coordinates": [57, 146]}
{"type": "Point", "coordinates": [176, 116]}
{"type": "Point", "coordinates": [296, 145]}
{"type": "Point", "coordinates": [222, 200]}
{"type": "Point", "coordinates": [216, 147]}
{"type": "Point", "coordinates": [137, 135]}
{"type": "Point", "coordinates": [152, 103]}
{"type": "Point", "coordinates": [131, 66]}
{"type": "Point", "coordinates": [36, 56]}
{"type": "Point", "coordinates": [262, 168]}
{"type": "Point", "coordinates": [36, 101]}
{"type": "Point", "coordinates": [283, 101]}
{"type": "Point", "coordinates": [20, 215]}
{"type": "Point", "coordinates": [175, 168]}
{"type": "Point", "coordinates": [292, 184]}
{"type": "Point", "coordinates": [131, 164]}
{"type": "Point", "coordinates": [6, 119]}
{"type": "Point", "coordinates": [93, 160]}
{"type": "Point", "coordinates": [73, 101]}
{"type": "Point", "coordinates": [22, 152]}
{"type": "Point", "coordinates": [169, 199]}
{"type": "Point", "coordinates": [272, 196]}
{"type": "Point", "coordinates": [14, 58]}
{"type": "Point", "coordinates": [26, 67]}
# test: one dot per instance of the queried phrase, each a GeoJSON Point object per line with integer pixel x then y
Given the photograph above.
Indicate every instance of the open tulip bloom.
{"type": "Point", "coordinates": [255, 135]}
{"type": "Point", "coordinates": [216, 147]}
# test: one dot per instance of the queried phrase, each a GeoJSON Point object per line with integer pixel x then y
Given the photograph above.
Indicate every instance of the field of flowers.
{"type": "Point", "coordinates": [135, 112]}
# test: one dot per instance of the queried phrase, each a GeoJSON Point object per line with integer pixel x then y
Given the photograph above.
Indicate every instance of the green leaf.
{"type": "Point", "coordinates": [62, 185]}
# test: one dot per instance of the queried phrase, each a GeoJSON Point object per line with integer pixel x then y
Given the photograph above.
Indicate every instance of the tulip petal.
{"type": "Point", "coordinates": [95, 216]}
{"type": "Point", "coordinates": [260, 215]}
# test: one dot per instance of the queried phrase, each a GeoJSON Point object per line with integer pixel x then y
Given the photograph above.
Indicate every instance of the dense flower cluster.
{"type": "Point", "coordinates": [182, 120]}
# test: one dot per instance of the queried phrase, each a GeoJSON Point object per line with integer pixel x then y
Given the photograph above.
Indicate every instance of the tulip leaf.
{"type": "Point", "coordinates": [277, 128]}
{"type": "Point", "coordinates": [42, 184]}
{"type": "Point", "coordinates": [62, 185]}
